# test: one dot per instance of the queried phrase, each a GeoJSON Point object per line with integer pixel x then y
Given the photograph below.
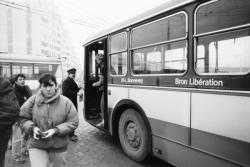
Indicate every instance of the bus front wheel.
{"type": "Point", "coordinates": [134, 136]}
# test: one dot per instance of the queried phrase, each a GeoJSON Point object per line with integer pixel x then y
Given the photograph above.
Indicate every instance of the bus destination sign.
{"type": "Point", "coordinates": [199, 82]}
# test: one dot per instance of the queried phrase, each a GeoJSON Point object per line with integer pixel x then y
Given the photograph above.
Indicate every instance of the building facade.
{"type": "Point", "coordinates": [35, 28]}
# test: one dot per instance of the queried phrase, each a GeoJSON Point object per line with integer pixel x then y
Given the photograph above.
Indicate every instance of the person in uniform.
{"type": "Point", "coordinates": [70, 90]}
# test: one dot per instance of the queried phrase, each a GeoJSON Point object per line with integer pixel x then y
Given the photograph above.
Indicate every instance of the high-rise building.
{"type": "Point", "coordinates": [35, 28]}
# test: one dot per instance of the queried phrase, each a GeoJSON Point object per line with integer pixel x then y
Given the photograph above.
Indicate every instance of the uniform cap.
{"type": "Point", "coordinates": [72, 70]}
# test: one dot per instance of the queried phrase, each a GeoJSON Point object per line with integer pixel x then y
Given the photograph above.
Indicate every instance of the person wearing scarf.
{"type": "Point", "coordinates": [49, 118]}
{"type": "Point", "coordinates": [22, 92]}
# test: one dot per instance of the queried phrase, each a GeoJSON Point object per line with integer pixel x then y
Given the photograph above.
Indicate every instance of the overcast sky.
{"type": "Point", "coordinates": [85, 17]}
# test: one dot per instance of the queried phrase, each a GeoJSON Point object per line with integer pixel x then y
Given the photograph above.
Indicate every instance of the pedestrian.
{"type": "Point", "coordinates": [70, 89]}
{"type": "Point", "coordinates": [9, 112]}
{"type": "Point", "coordinates": [49, 117]}
{"type": "Point", "coordinates": [99, 83]}
{"type": "Point", "coordinates": [23, 92]}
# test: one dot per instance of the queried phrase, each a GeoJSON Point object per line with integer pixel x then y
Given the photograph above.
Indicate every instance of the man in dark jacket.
{"type": "Point", "coordinates": [70, 90]}
{"type": "Point", "coordinates": [9, 112]}
{"type": "Point", "coordinates": [23, 92]}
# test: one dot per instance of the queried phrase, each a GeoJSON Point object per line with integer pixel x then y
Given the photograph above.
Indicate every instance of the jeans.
{"type": "Point", "coordinates": [25, 138]}
{"type": "Point", "coordinates": [4, 138]}
{"type": "Point", "coordinates": [43, 158]}
{"type": "Point", "coordinates": [16, 138]}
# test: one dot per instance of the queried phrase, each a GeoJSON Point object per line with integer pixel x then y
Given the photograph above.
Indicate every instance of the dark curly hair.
{"type": "Point", "coordinates": [46, 78]}
{"type": "Point", "coordinates": [19, 75]}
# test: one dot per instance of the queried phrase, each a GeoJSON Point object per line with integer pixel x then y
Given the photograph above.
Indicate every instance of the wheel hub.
{"type": "Point", "coordinates": [133, 136]}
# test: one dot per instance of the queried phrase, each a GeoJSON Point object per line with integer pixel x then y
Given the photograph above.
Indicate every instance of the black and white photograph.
{"type": "Point", "coordinates": [135, 83]}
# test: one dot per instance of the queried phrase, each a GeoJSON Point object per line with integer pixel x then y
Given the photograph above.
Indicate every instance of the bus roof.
{"type": "Point", "coordinates": [169, 5]}
{"type": "Point", "coordinates": [17, 58]}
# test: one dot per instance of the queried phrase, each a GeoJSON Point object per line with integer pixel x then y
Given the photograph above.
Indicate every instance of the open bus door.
{"type": "Point", "coordinates": [94, 108]}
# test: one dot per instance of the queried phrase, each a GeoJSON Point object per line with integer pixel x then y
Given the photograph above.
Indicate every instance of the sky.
{"type": "Point", "coordinates": [83, 18]}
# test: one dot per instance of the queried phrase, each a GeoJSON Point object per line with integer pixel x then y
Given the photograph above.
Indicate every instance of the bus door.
{"type": "Point", "coordinates": [95, 96]}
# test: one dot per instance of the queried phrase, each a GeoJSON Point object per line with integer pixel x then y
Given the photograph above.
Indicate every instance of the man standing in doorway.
{"type": "Point", "coordinates": [99, 84]}
{"type": "Point", "coordinates": [70, 90]}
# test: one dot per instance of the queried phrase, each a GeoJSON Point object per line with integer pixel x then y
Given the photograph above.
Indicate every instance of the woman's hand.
{"type": "Point", "coordinates": [36, 133]}
{"type": "Point", "coordinates": [49, 133]}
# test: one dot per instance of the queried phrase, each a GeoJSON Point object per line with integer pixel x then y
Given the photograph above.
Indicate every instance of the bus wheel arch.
{"type": "Point", "coordinates": [133, 123]}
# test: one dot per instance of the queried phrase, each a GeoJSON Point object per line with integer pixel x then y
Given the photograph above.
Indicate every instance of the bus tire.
{"type": "Point", "coordinates": [133, 135]}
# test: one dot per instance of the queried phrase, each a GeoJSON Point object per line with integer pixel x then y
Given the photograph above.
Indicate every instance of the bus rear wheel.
{"type": "Point", "coordinates": [134, 136]}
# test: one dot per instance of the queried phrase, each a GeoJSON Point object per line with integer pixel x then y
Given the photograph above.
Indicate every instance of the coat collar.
{"type": "Point", "coordinates": [41, 99]}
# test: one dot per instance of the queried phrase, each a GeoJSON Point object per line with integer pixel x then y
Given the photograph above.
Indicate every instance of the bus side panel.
{"type": "Point", "coordinates": [180, 155]}
{"type": "Point", "coordinates": [115, 94]}
{"type": "Point", "coordinates": [167, 117]}
{"type": "Point", "coordinates": [220, 125]}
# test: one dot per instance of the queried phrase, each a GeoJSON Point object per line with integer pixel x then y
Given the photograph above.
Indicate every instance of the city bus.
{"type": "Point", "coordinates": [31, 66]}
{"type": "Point", "coordinates": [176, 83]}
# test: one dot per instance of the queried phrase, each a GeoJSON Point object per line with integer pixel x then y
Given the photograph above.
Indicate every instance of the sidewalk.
{"type": "Point", "coordinates": [95, 148]}
{"type": "Point", "coordinates": [70, 156]}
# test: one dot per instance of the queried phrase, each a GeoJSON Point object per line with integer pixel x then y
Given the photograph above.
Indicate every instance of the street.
{"type": "Point", "coordinates": [94, 149]}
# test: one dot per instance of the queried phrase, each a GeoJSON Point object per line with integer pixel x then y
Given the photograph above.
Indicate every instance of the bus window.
{"type": "Point", "coordinates": [138, 64]}
{"type": "Point", "coordinates": [5, 70]}
{"type": "Point", "coordinates": [147, 60]}
{"type": "Point", "coordinates": [40, 69]}
{"type": "Point", "coordinates": [118, 54]}
{"type": "Point", "coordinates": [222, 36]}
{"type": "Point", "coordinates": [163, 59]}
{"type": "Point", "coordinates": [27, 70]}
{"type": "Point", "coordinates": [169, 28]}
{"type": "Point", "coordinates": [200, 58]}
{"type": "Point", "coordinates": [222, 14]}
{"type": "Point", "coordinates": [16, 69]}
{"type": "Point", "coordinates": [154, 61]}
{"type": "Point", "coordinates": [118, 42]}
{"type": "Point", "coordinates": [175, 58]}
{"type": "Point", "coordinates": [118, 64]}
{"type": "Point", "coordinates": [159, 47]}
{"type": "Point", "coordinates": [226, 53]}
